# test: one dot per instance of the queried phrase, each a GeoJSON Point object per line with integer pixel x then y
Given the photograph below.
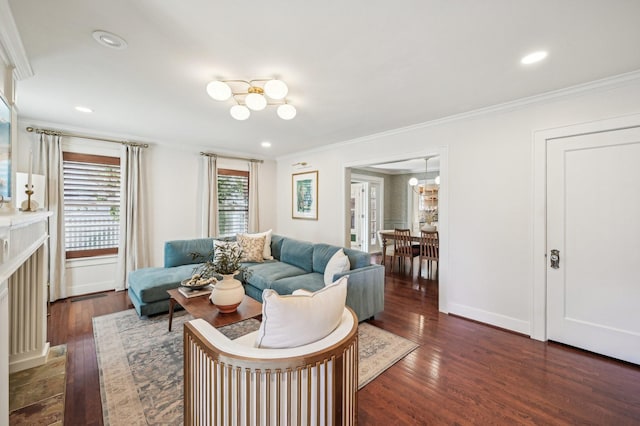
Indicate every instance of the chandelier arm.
{"type": "Point", "coordinates": [237, 81]}
{"type": "Point", "coordinates": [260, 80]}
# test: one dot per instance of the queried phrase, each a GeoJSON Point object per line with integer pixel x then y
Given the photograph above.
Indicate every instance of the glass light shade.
{"type": "Point", "coordinates": [276, 89]}
{"type": "Point", "coordinates": [286, 111]}
{"type": "Point", "coordinates": [219, 90]}
{"type": "Point", "coordinates": [437, 179]}
{"type": "Point", "coordinates": [255, 101]}
{"type": "Point", "coordinates": [413, 181]}
{"type": "Point", "coordinates": [240, 112]}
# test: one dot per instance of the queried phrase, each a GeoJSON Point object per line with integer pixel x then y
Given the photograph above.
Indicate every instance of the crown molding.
{"type": "Point", "coordinates": [11, 44]}
{"type": "Point", "coordinates": [604, 83]}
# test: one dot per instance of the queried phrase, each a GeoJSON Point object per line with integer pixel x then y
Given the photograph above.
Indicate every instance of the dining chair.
{"type": "Point", "coordinates": [403, 248]}
{"type": "Point", "coordinates": [429, 251]}
{"type": "Point", "coordinates": [388, 250]}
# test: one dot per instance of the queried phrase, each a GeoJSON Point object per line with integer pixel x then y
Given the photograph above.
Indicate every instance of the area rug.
{"type": "Point", "coordinates": [140, 363]}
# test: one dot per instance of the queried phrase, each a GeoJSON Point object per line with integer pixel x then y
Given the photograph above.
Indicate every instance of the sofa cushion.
{"type": "Point", "coordinates": [178, 252]}
{"type": "Point", "coordinates": [312, 281]}
{"type": "Point", "coordinates": [297, 253]}
{"type": "Point", "coordinates": [322, 253]}
{"type": "Point", "coordinates": [291, 321]}
{"type": "Point", "coordinates": [276, 245]}
{"type": "Point", "coordinates": [358, 259]}
{"type": "Point", "coordinates": [151, 284]}
{"type": "Point", "coordinates": [262, 275]}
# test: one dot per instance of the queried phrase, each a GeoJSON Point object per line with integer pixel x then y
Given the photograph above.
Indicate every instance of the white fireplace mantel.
{"type": "Point", "coordinates": [23, 296]}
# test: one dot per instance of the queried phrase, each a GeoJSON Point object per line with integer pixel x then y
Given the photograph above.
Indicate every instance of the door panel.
{"type": "Point", "coordinates": [593, 219]}
{"type": "Point", "coordinates": [356, 215]}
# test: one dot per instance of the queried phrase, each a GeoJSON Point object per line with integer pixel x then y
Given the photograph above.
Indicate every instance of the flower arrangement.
{"type": "Point", "coordinates": [223, 259]}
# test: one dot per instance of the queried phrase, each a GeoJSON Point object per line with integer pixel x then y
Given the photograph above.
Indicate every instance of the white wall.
{"type": "Point", "coordinates": [489, 182]}
{"type": "Point", "coordinates": [172, 199]}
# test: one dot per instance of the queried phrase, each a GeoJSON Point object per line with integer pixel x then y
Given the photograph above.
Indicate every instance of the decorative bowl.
{"type": "Point", "coordinates": [193, 285]}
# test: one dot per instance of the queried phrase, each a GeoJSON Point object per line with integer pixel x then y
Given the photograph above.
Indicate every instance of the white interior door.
{"type": "Point", "coordinates": [358, 198]}
{"type": "Point", "coordinates": [593, 220]}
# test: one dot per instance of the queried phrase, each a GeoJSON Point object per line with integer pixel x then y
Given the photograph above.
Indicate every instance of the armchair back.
{"type": "Point", "coordinates": [227, 382]}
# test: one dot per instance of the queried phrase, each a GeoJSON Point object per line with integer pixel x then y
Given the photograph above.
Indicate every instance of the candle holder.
{"type": "Point", "coordinates": [29, 205]}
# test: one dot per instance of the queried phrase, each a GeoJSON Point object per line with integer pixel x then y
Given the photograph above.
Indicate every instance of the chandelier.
{"type": "Point", "coordinates": [253, 95]}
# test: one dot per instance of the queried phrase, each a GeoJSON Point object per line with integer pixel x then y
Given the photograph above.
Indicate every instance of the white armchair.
{"type": "Point", "coordinates": [231, 382]}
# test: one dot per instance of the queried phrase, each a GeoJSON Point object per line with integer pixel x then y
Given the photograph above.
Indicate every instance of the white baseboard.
{"type": "Point", "coordinates": [79, 290]}
{"type": "Point", "coordinates": [492, 318]}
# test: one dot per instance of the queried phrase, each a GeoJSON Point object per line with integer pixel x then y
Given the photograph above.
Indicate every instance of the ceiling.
{"type": "Point", "coordinates": [414, 165]}
{"type": "Point", "coordinates": [354, 68]}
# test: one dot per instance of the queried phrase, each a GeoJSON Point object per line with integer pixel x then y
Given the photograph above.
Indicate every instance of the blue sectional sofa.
{"type": "Point", "coordinates": [297, 264]}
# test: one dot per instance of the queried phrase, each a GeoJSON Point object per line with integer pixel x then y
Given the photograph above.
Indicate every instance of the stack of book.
{"type": "Point", "coordinates": [187, 292]}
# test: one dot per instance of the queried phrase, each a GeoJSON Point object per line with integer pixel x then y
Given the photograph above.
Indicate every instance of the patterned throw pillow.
{"type": "Point", "coordinates": [252, 247]}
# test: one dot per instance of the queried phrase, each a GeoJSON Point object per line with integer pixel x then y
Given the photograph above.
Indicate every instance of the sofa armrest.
{"type": "Point", "coordinates": [365, 290]}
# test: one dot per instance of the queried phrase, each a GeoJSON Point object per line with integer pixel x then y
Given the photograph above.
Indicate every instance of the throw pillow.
{"type": "Point", "coordinates": [338, 264]}
{"type": "Point", "coordinates": [219, 243]}
{"type": "Point", "coordinates": [296, 320]}
{"type": "Point", "coordinates": [267, 244]}
{"type": "Point", "coordinates": [252, 247]}
{"type": "Point", "coordinates": [266, 254]}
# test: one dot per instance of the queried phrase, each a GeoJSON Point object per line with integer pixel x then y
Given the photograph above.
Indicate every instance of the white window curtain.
{"type": "Point", "coordinates": [49, 160]}
{"type": "Point", "coordinates": [132, 251]}
{"type": "Point", "coordinates": [209, 208]}
{"type": "Point", "coordinates": [254, 216]}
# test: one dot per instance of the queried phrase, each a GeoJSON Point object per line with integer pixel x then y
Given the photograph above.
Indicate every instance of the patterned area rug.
{"type": "Point", "coordinates": [140, 363]}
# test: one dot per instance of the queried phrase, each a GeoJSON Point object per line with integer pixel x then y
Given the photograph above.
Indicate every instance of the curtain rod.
{"type": "Point", "coordinates": [211, 154]}
{"type": "Point", "coordinates": [75, 135]}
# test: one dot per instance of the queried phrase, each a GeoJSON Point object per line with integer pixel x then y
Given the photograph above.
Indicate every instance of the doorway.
{"type": "Point", "coordinates": [393, 198]}
{"type": "Point", "coordinates": [366, 213]}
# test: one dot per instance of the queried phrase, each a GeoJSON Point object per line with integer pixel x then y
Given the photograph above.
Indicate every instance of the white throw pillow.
{"type": "Point", "coordinates": [266, 252]}
{"type": "Point", "coordinates": [296, 320]}
{"type": "Point", "coordinates": [338, 264]}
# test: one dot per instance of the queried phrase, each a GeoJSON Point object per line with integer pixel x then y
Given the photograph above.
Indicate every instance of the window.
{"type": "Point", "coordinates": [91, 204]}
{"type": "Point", "coordinates": [233, 202]}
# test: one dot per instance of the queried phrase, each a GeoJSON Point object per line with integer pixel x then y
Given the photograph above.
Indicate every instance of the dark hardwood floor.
{"type": "Point", "coordinates": [462, 373]}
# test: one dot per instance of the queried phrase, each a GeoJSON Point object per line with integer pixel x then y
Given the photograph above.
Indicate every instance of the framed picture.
{"type": "Point", "coordinates": [304, 194]}
{"type": "Point", "coordinates": [5, 150]}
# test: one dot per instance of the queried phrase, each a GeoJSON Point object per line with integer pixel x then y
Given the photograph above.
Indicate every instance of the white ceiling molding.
{"type": "Point", "coordinates": [13, 53]}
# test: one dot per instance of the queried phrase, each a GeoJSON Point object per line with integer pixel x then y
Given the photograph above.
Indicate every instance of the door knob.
{"type": "Point", "coordinates": [555, 259]}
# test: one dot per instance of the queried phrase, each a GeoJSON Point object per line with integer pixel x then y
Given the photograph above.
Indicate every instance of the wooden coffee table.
{"type": "Point", "coordinates": [201, 307]}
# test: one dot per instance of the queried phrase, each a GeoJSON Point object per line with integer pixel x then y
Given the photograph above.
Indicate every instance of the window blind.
{"type": "Point", "coordinates": [91, 204]}
{"type": "Point", "coordinates": [233, 202]}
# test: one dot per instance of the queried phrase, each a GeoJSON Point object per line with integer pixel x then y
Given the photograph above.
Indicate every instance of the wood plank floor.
{"type": "Point", "coordinates": [462, 373]}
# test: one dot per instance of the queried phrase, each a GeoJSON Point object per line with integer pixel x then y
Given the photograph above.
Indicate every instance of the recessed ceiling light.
{"type": "Point", "coordinates": [83, 109]}
{"type": "Point", "coordinates": [266, 144]}
{"type": "Point", "coordinates": [534, 57]}
{"type": "Point", "coordinates": [109, 40]}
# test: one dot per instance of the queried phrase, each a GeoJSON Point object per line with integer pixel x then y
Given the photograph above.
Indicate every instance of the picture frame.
{"type": "Point", "coordinates": [304, 195]}
{"type": "Point", "coordinates": [6, 181]}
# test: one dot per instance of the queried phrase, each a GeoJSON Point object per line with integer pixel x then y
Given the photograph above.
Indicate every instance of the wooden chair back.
{"type": "Point", "coordinates": [429, 250]}
{"type": "Point", "coordinates": [429, 245]}
{"type": "Point", "coordinates": [402, 242]}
